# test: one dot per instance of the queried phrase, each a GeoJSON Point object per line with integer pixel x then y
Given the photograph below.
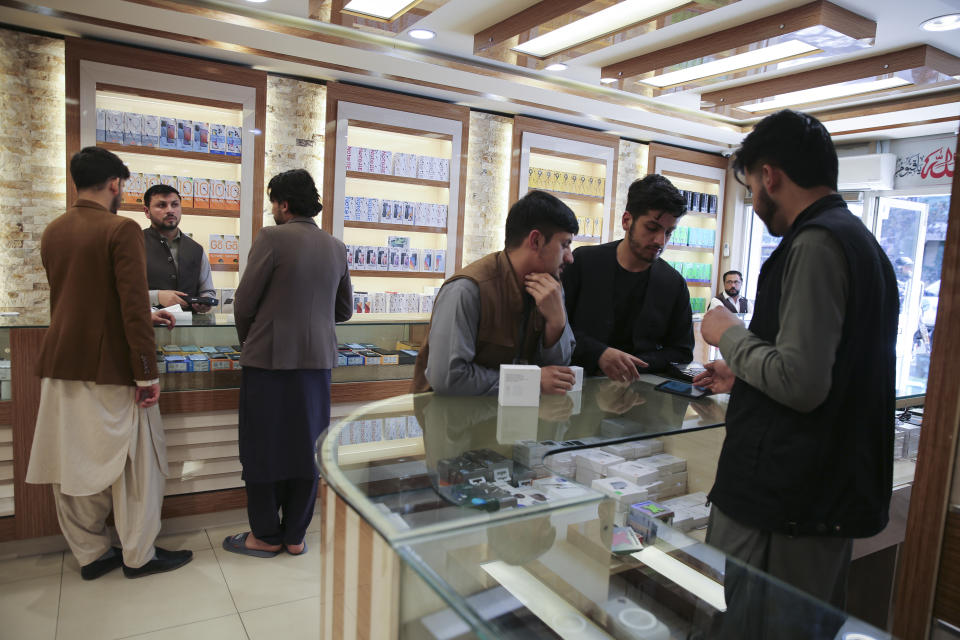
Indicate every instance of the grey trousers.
{"type": "Point", "coordinates": [136, 498]}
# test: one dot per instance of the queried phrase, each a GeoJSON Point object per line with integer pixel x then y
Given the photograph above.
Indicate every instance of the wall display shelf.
{"type": "Point", "coordinates": [394, 193]}
{"type": "Point", "coordinates": [192, 124]}
{"type": "Point", "coordinates": [579, 166]}
{"type": "Point", "coordinates": [694, 247]}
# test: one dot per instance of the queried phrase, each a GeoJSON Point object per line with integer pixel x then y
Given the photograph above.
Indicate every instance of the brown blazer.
{"type": "Point", "coordinates": [294, 289]}
{"type": "Point", "coordinates": [100, 326]}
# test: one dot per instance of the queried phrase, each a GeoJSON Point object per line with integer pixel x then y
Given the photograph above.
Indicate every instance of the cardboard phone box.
{"type": "Point", "coordinates": [201, 193]}
{"type": "Point", "coordinates": [101, 125]}
{"type": "Point", "coordinates": [232, 195]}
{"type": "Point", "coordinates": [519, 385]}
{"type": "Point", "coordinates": [130, 189]}
{"type": "Point", "coordinates": [168, 133]}
{"type": "Point", "coordinates": [218, 194]}
{"type": "Point", "coordinates": [114, 126]}
{"type": "Point", "coordinates": [185, 135]}
{"type": "Point", "coordinates": [185, 187]}
{"type": "Point", "coordinates": [132, 128]}
{"type": "Point", "coordinates": [234, 141]}
{"type": "Point", "coordinates": [218, 140]}
{"type": "Point", "coordinates": [150, 136]}
{"type": "Point", "coordinates": [201, 137]}
{"type": "Point", "coordinates": [170, 181]}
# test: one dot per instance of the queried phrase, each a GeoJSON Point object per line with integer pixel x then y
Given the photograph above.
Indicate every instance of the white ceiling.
{"type": "Point", "coordinates": [446, 68]}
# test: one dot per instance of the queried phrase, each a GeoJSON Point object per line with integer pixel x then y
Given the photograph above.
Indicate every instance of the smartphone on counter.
{"type": "Point", "coordinates": [684, 389]}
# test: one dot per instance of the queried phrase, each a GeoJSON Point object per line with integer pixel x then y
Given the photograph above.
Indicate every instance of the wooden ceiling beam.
{"type": "Point", "coordinates": [808, 15]}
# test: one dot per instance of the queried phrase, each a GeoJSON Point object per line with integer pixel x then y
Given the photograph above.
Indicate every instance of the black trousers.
{"type": "Point", "coordinates": [280, 512]}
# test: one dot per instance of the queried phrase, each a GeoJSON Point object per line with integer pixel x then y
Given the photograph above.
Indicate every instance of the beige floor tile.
{"type": "Point", "coordinates": [115, 607]}
{"type": "Point", "coordinates": [31, 567]}
{"type": "Point", "coordinates": [28, 608]}
{"type": "Point", "coordinates": [195, 540]}
{"type": "Point", "coordinates": [290, 621]}
{"type": "Point", "coordinates": [261, 582]}
{"type": "Point", "coordinates": [226, 628]}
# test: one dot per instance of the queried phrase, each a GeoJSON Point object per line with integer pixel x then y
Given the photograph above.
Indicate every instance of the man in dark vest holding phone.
{"type": "Point", "coordinates": [177, 268]}
{"type": "Point", "coordinates": [807, 462]}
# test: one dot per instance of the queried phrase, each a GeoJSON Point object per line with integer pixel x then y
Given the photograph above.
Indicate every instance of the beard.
{"type": "Point", "coordinates": [765, 208]}
{"type": "Point", "coordinates": [637, 249]}
{"type": "Point", "coordinates": [733, 293]}
{"type": "Point", "coordinates": [115, 203]}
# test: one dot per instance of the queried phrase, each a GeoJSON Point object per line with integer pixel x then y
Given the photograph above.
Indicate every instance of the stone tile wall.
{"type": "Point", "coordinates": [32, 172]}
{"type": "Point", "coordinates": [488, 185]}
{"type": "Point", "coordinates": [296, 121]}
{"type": "Point", "coordinates": [631, 166]}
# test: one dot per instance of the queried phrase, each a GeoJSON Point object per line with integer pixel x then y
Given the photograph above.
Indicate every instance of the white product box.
{"type": "Point", "coordinates": [397, 217]}
{"type": "Point", "coordinates": [415, 262]}
{"type": "Point", "coordinates": [441, 215]}
{"type": "Point", "coordinates": [349, 248]}
{"type": "Point", "coordinates": [666, 464]}
{"type": "Point", "coordinates": [373, 210]}
{"type": "Point", "coordinates": [218, 139]}
{"type": "Point", "coordinates": [234, 145]}
{"type": "Point", "coordinates": [371, 258]}
{"type": "Point", "coordinates": [519, 385]}
{"type": "Point", "coordinates": [426, 259]}
{"type": "Point", "coordinates": [376, 160]}
{"type": "Point", "coordinates": [168, 133]}
{"type": "Point", "coordinates": [185, 187]}
{"type": "Point", "coordinates": [420, 215]}
{"type": "Point", "coordinates": [386, 162]}
{"type": "Point", "coordinates": [623, 491]}
{"type": "Point", "coordinates": [114, 126]}
{"type": "Point", "coordinates": [383, 259]}
{"type": "Point", "coordinates": [596, 460]}
{"type": "Point", "coordinates": [347, 214]}
{"type": "Point", "coordinates": [386, 211]}
{"type": "Point", "coordinates": [233, 194]}
{"type": "Point", "coordinates": [366, 159]}
{"type": "Point", "coordinates": [426, 304]}
{"type": "Point", "coordinates": [359, 257]}
{"type": "Point", "coordinates": [559, 488]}
{"type": "Point", "coordinates": [360, 209]}
{"type": "Point", "coordinates": [440, 260]}
{"type": "Point", "coordinates": [444, 169]}
{"type": "Point", "coordinates": [561, 464]}
{"type": "Point", "coordinates": [150, 136]}
{"type": "Point", "coordinates": [132, 129]}
{"type": "Point", "coordinates": [351, 159]}
{"type": "Point", "coordinates": [578, 378]}
{"type": "Point", "coordinates": [101, 125]}
{"type": "Point", "coordinates": [226, 300]}
{"type": "Point", "coordinates": [201, 137]}
{"type": "Point", "coordinates": [635, 472]}
{"type": "Point", "coordinates": [587, 476]}
{"type": "Point", "coordinates": [423, 167]}
{"type": "Point", "coordinates": [394, 261]}
{"type": "Point", "coordinates": [379, 302]}
{"type": "Point", "coordinates": [185, 135]}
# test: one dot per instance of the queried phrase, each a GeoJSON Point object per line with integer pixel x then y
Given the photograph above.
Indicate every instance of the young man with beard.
{"type": "Point", "coordinates": [506, 308]}
{"type": "Point", "coordinates": [730, 296]}
{"type": "Point", "coordinates": [177, 268]}
{"type": "Point", "coordinates": [629, 309]}
{"type": "Point", "coordinates": [807, 461]}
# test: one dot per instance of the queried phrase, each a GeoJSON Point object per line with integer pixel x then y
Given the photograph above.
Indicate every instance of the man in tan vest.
{"type": "Point", "coordinates": [506, 308]}
{"type": "Point", "coordinates": [99, 438]}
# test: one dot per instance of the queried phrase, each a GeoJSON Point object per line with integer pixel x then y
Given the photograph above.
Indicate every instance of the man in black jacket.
{"type": "Point", "coordinates": [628, 308]}
{"type": "Point", "coordinates": [807, 463]}
{"type": "Point", "coordinates": [177, 267]}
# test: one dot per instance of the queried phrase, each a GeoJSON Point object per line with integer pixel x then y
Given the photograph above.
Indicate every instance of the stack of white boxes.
{"type": "Point", "coordinates": [407, 165]}
{"type": "Point", "coordinates": [689, 511]}
{"type": "Point", "coordinates": [593, 464]}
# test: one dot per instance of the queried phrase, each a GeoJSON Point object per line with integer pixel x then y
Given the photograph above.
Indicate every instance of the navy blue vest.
{"type": "Point", "coordinates": [830, 471]}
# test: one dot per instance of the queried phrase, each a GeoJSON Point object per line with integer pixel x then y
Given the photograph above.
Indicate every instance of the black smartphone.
{"type": "Point", "coordinates": [684, 389]}
{"type": "Point", "coordinates": [210, 302]}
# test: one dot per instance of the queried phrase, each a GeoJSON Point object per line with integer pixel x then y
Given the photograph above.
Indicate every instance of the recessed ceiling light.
{"type": "Point", "coordinates": [257, 1]}
{"type": "Point", "coordinates": [421, 34]}
{"type": "Point", "coordinates": [838, 90]}
{"type": "Point", "coordinates": [608, 80]}
{"type": "Point", "coordinates": [386, 10]}
{"type": "Point", "coordinates": [596, 25]}
{"type": "Point", "coordinates": [556, 66]}
{"type": "Point", "coordinates": [754, 58]}
{"type": "Point", "coordinates": [942, 23]}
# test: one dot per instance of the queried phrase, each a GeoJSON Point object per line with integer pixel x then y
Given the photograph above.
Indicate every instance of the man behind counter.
{"type": "Point", "coordinates": [177, 268]}
{"type": "Point", "coordinates": [628, 307]}
{"type": "Point", "coordinates": [505, 308]}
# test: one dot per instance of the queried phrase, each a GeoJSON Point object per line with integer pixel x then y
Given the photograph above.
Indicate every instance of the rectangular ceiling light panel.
{"type": "Point", "coordinates": [826, 92]}
{"type": "Point", "coordinates": [386, 10]}
{"type": "Point", "coordinates": [619, 16]}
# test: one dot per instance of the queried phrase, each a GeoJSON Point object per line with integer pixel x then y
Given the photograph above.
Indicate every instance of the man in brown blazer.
{"type": "Point", "coordinates": [98, 439]}
{"type": "Point", "coordinates": [294, 289]}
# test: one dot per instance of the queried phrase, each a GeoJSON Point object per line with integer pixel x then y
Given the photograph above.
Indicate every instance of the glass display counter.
{"type": "Point", "coordinates": [454, 517]}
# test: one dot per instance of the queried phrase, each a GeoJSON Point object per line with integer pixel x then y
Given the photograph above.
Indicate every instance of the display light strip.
{"type": "Point", "coordinates": [619, 16]}
{"type": "Point", "coordinates": [757, 57]}
{"type": "Point", "coordinates": [826, 92]}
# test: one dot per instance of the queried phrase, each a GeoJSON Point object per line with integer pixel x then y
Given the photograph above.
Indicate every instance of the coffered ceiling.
{"type": "Point", "coordinates": [693, 73]}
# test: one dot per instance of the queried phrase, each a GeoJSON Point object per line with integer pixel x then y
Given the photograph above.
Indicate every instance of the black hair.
{"type": "Point", "coordinates": [158, 190]}
{"type": "Point", "coordinates": [541, 211]}
{"type": "Point", "coordinates": [93, 167]}
{"type": "Point", "coordinates": [732, 271]}
{"type": "Point", "coordinates": [796, 143]}
{"type": "Point", "coordinates": [655, 193]}
{"type": "Point", "coordinates": [298, 190]}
